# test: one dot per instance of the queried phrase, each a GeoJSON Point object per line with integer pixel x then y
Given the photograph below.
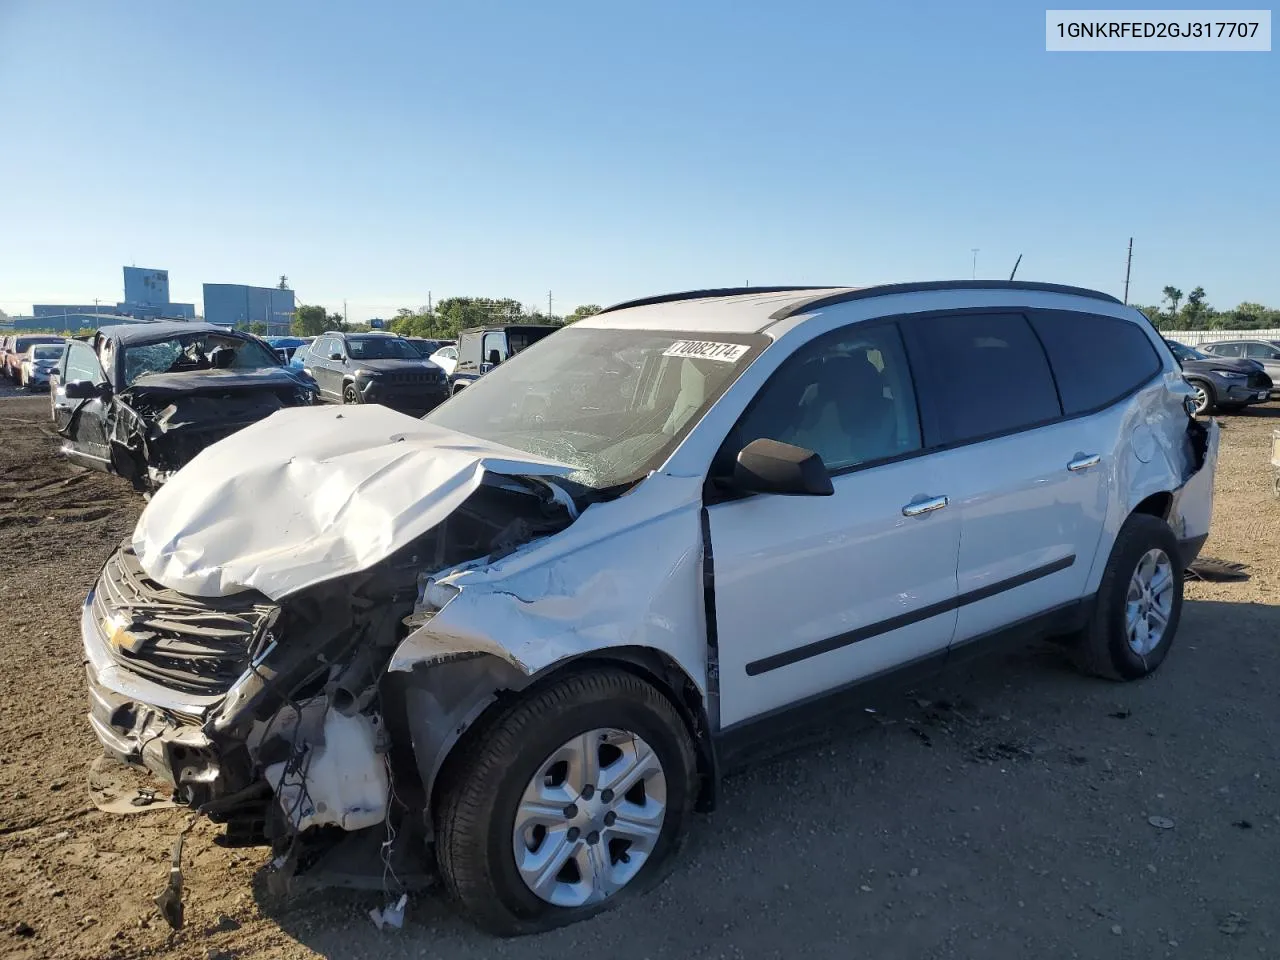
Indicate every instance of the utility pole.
{"type": "Point", "coordinates": [344, 311]}
{"type": "Point", "coordinates": [430, 309]}
{"type": "Point", "coordinates": [548, 306]}
{"type": "Point", "coordinates": [95, 306]}
{"type": "Point", "coordinates": [975, 262]}
{"type": "Point", "coordinates": [1127, 267]}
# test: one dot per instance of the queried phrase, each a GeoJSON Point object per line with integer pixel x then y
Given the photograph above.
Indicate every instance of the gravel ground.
{"type": "Point", "coordinates": [1002, 811]}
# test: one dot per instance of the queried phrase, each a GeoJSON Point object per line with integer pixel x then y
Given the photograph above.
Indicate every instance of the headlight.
{"type": "Point", "coordinates": [1230, 375]}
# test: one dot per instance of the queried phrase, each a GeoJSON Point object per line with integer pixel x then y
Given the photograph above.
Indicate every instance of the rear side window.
{"type": "Point", "coordinates": [980, 374]}
{"type": "Point", "coordinates": [1096, 360]}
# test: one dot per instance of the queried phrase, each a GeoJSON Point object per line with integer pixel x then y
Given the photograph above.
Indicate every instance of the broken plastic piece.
{"type": "Point", "coordinates": [170, 899]}
{"type": "Point", "coordinates": [392, 915]}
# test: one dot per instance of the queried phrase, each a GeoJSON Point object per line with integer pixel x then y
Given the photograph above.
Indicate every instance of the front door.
{"type": "Point", "coordinates": [83, 422]}
{"type": "Point", "coordinates": [814, 593]}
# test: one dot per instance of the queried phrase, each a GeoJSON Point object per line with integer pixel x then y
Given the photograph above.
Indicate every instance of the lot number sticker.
{"type": "Point", "coordinates": [706, 350]}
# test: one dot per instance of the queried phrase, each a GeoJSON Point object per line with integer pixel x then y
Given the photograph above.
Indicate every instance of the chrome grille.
{"type": "Point", "coordinates": [193, 644]}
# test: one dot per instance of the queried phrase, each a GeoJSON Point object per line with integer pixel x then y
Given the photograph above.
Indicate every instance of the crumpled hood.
{"type": "Point", "coordinates": [190, 381]}
{"type": "Point", "coordinates": [310, 494]}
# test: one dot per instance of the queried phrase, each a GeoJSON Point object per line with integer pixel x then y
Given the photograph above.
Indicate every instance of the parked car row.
{"type": "Point", "coordinates": [141, 400]}
{"type": "Point", "coordinates": [26, 359]}
{"type": "Point", "coordinates": [537, 634]}
{"type": "Point", "coordinates": [1221, 382]}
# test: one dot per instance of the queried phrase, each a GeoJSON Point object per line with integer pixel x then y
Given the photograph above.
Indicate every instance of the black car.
{"type": "Point", "coordinates": [480, 349]}
{"type": "Point", "coordinates": [375, 368]}
{"type": "Point", "coordinates": [1221, 383]}
{"type": "Point", "coordinates": [142, 399]}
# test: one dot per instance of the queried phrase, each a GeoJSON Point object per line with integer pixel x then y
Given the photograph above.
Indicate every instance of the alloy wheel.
{"type": "Point", "coordinates": [590, 817]}
{"type": "Point", "coordinates": [1149, 602]}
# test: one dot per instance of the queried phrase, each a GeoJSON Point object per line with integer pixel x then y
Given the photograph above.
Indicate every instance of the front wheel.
{"type": "Point", "coordinates": [574, 795]}
{"type": "Point", "coordinates": [350, 394]}
{"type": "Point", "coordinates": [1206, 401]}
{"type": "Point", "coordinates": [1138, 605]}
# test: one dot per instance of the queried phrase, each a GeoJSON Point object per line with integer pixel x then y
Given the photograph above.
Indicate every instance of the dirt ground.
{"type": "Point", "coordinates": [1001, 812]}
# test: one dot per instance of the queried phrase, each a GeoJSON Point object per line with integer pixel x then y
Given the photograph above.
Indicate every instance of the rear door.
{"type": "Point", "coordinates": [1027, 484]}
{"type": "Point", "coordinates": [321, 367]}
{"type": "Point", "coordinates": [83, 422]}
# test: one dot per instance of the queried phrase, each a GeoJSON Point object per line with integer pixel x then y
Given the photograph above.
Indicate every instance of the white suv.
{"type": "Point", "coordinates": [545, 616]}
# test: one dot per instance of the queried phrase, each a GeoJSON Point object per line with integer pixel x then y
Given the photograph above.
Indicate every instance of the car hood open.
{"type": "Point", "coordinates": [311, 494]}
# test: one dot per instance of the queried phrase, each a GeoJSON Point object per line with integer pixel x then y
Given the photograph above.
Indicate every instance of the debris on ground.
{"type": "Point", "coordinates": [1123, 714]}
{"type": "Point", "coordinates": [1242, 824]}
{"type": "Point", "coordinates": [169, 901]}
{"type": "Point", "coordinates": [1213, 570]}
{"type": "Point", "coordinates": [1164, 823]}
{"type": "Point", "coordinates": [392, 915]}
{"type": "Point", "coordinates": [1233, 923]}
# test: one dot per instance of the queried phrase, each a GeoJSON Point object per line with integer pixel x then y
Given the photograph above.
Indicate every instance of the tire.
{"type": "Point", "coordinates": [1104, 648]}
{"type": "Point", "coordinates": [350, 395]}
{"type": "Point", "coordinates": [1206, 397]}
{"type": "Point", "coordinates": [457, 389]}
{"type": "Point", "coordinates": [500, 761]}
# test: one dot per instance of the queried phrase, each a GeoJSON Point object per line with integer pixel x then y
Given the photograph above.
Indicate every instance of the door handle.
{"type": "Point", "coordinates": [1084, 463]}
{"type": "Point", "coordinates": [916, 507]}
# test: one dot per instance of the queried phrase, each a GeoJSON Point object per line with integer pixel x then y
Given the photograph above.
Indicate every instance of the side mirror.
{"type": "Point", "coordinates": [84, 390]}
{"type": "Point", "coordinates": [55, 372]}
{"type": "Point", "coordinates": [335, 355]}
{"type": "Point", "coordinates": [495, 357]}
{"type": "Point", "coordinates": [768, 466]}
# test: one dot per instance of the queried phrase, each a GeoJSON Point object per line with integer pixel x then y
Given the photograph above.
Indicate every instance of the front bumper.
{"type": "Point", "coordinates": [1245, 394]}
{"type": "Point", "coordinates": [143, 723]}
{"type": "Point", "coordinates": [412, 399]}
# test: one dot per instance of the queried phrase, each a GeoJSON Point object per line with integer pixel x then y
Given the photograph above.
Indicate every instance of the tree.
{"type": "Point", "coordinates": [258, 328]}
{"type": "Point", "coordinates": [4, 317]}
{"type": "Point", "coordinates": [284, 282]}
{"type": "Point", "coordinates": [313, 320]}
{"type": "Point", "coordinates": [1156, 316]}
{"type": "Point", "coordinates": [585, 310]}
{"type": "Point", "coordinates": [1174, 296]}
{"type": "Point", "coordinates": [1196, 313]}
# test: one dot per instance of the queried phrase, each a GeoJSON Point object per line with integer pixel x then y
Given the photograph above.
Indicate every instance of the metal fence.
{"type": "Point", "coordinates": [1193, 338]}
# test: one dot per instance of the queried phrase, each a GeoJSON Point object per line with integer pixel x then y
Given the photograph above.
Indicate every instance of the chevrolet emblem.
{"type": "Point", "coordinates": [116, 630]}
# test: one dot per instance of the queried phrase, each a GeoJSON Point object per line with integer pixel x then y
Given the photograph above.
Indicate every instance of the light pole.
{"type": "Point", "coordinates": [975, 262]}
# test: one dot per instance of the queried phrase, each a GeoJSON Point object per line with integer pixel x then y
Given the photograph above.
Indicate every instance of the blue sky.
{"type": "Point", "coordinates": [378, 150]}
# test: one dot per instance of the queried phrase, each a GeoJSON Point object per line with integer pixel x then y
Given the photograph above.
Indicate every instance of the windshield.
{"type": "Point", "coordinates": [50, 351]}
{"type": "Point", "coordinates": [380, 348]}
{"type": "Point", "coordinates": [613, 403]}
{"type": "Point", "coordinates": [204, 351]}
{"type": "Point", "coordinates": [1183, 352]}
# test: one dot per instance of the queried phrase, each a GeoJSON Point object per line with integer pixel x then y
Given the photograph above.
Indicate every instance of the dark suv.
{"type": "Point", "coordinates": [480, 349]}
{"type": "Point", "coordinates": [1221, 383]}
{"type": "Point", "coordinates": [375, 368]}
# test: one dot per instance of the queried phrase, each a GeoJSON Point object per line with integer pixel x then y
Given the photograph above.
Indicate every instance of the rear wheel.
{"type": "Point", "coordinates": [1139, 603]}
{"type": "Point", "coordinates": [573, 796]}
{"type": "Point", "coordinates": [1205, 398]}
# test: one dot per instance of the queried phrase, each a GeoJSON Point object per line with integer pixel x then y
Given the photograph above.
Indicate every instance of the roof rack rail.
{"type": "Point", "coordinates": [703, 294]}
{"type": "Point", "coordinates": [885, 289]}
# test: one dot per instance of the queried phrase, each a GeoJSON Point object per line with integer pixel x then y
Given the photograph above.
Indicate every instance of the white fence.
{"type": "Point", "coordinates": [1193, 338]}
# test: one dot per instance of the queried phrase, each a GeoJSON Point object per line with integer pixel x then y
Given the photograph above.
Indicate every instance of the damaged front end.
{"type": "Point", "coordinates": [155, 431]}
{"type": "Point", "coordinates": [279, 717]}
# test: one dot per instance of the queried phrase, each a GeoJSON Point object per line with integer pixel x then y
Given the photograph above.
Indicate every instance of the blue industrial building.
{"type": "Point", "coordinates": [146, 297]}
{"type": "Point", "coordinates": [237, 305]}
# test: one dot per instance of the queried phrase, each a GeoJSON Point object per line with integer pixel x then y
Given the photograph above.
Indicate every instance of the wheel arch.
{"type": "Point", "coordinates": [447, 704]}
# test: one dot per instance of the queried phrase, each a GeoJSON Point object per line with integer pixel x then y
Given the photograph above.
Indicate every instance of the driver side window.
{"type": "Point", "coordinates": [847, 396]}
{"type": "Point", "coordinates": [82, 364]}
